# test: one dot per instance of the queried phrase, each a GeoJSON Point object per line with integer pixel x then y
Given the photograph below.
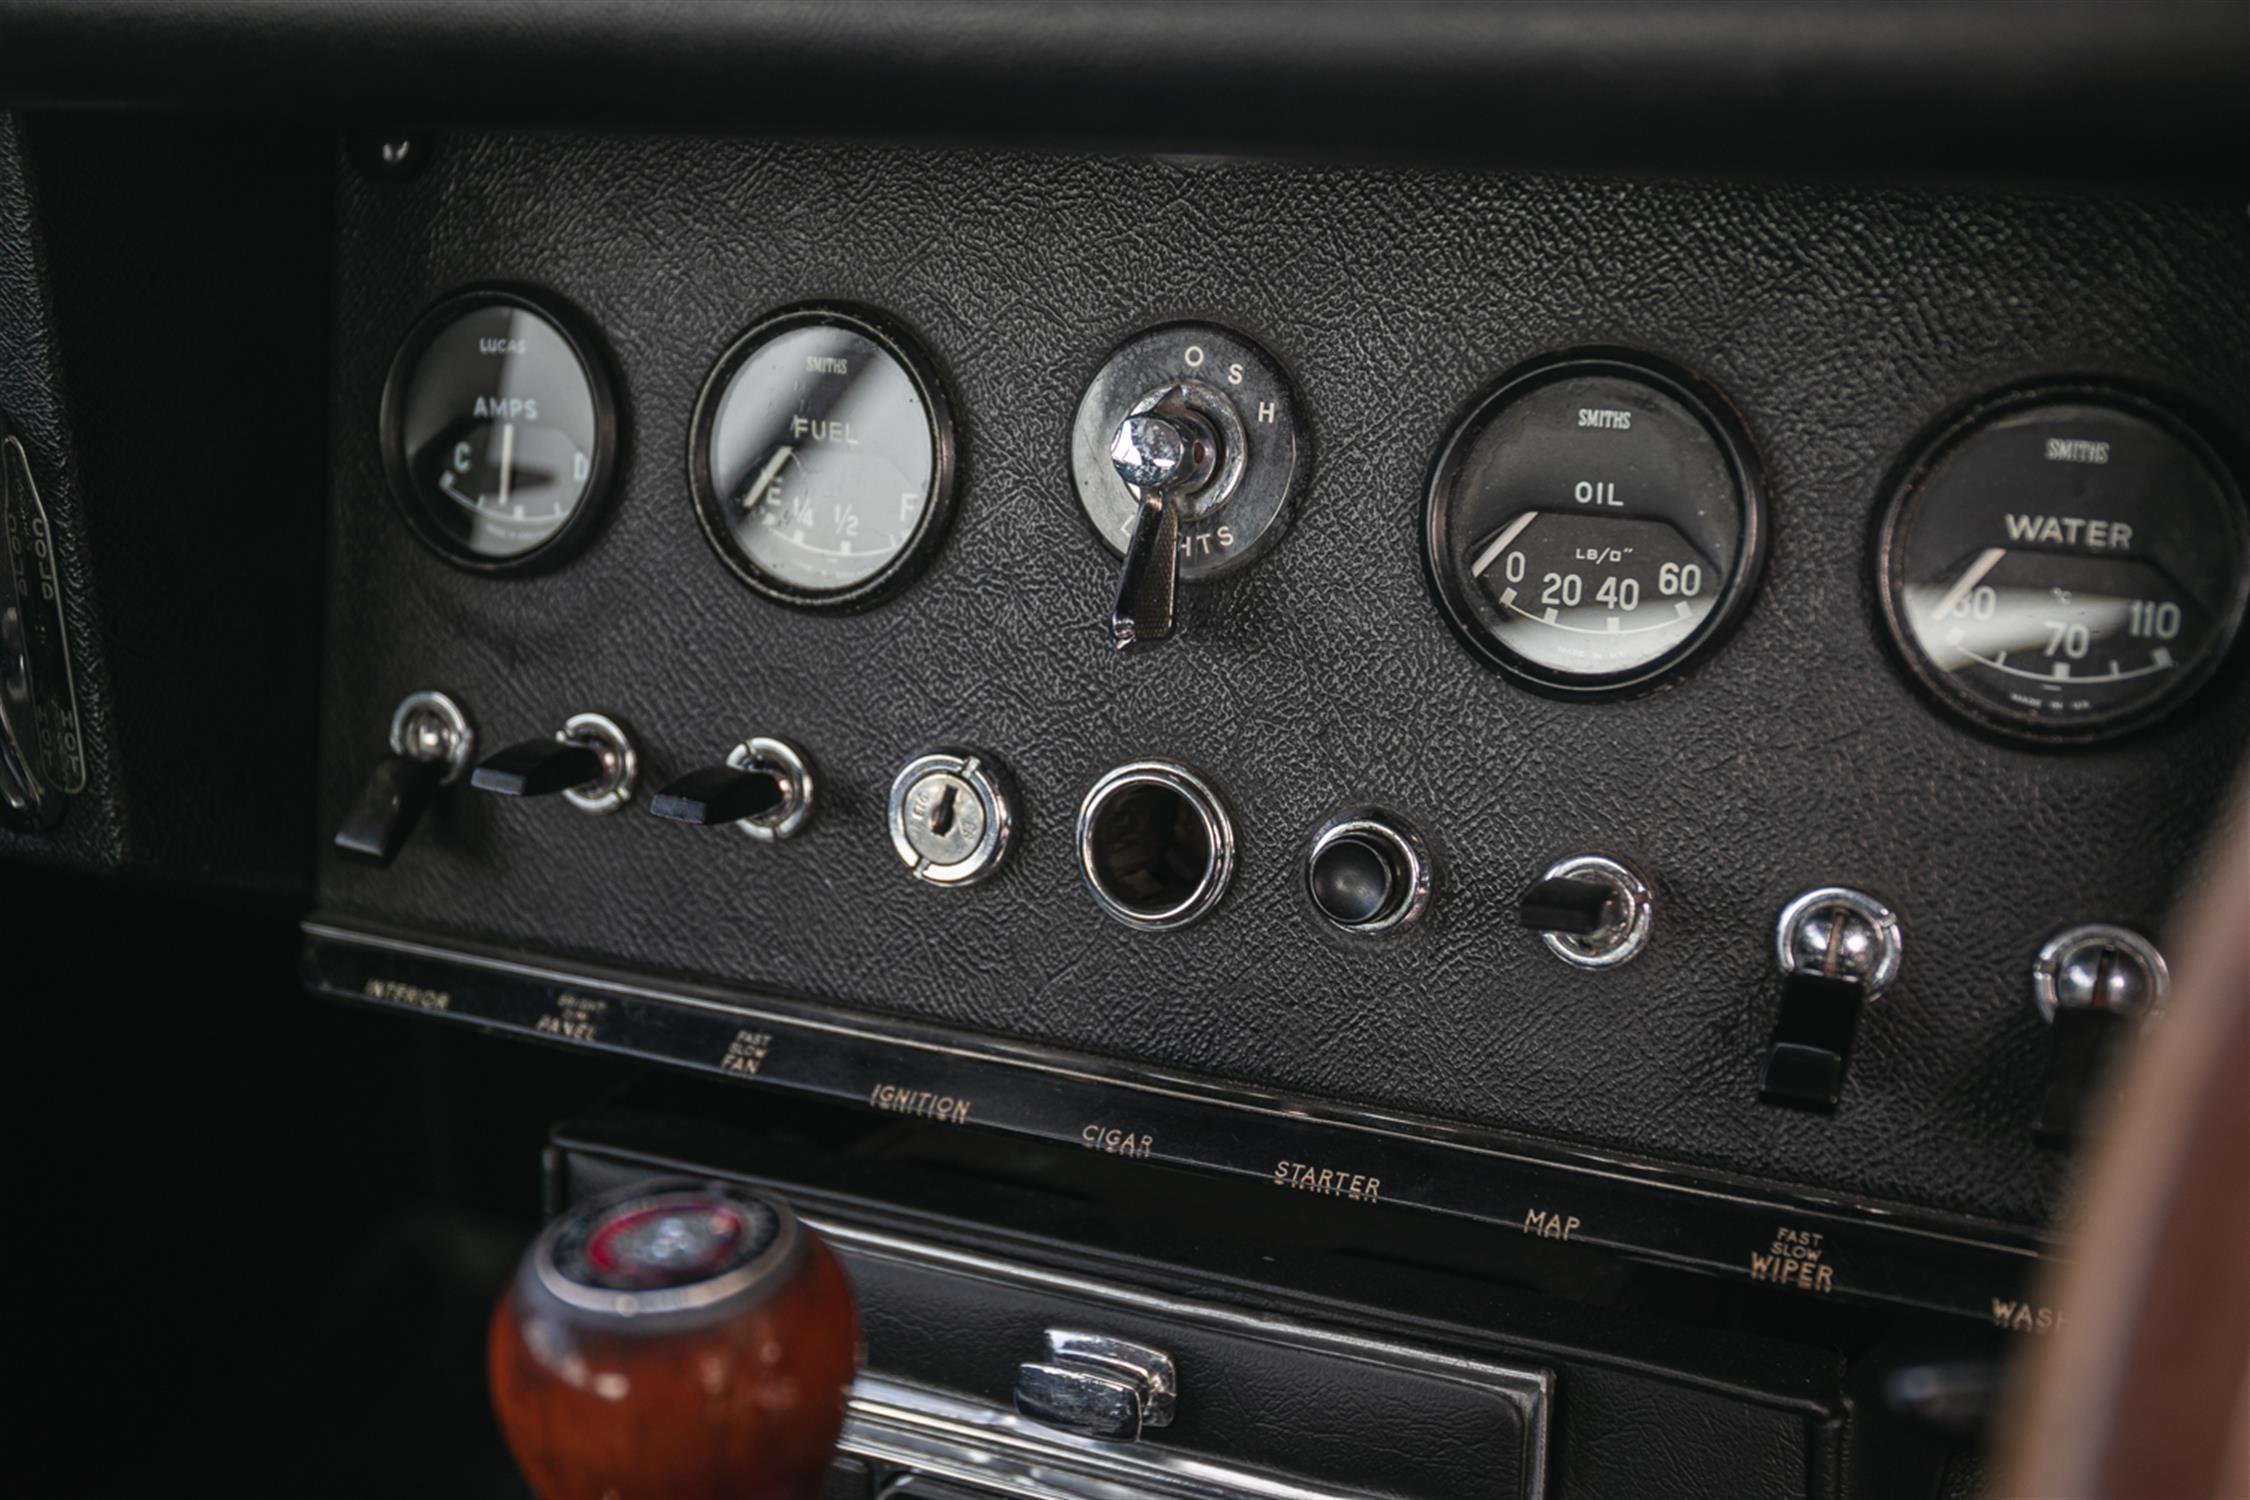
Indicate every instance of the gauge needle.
{"type": "Point", "coordinates": [507, 460]}
{"type": "Point", "coordinates": [1499, 544]}
{"type": "Point", "coordinates": [1986, 561]}
{"type": "Point", "coordinates": [766, 477]}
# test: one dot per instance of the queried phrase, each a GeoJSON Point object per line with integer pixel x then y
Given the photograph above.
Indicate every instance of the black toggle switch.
{"type": "Point", "coordinates": [539, 768]}
{"type": "Point", "coordinates": [720, 794]}
{"type": "Point", "coordinates": [387, 808]}
{"type": "Point", "coordinates": [1566, 905]}
{"type": "Point", "coordinates": [1812, 1042]}
{"type": "Point", "coordinates": [1838, 949]}
{"type": "Point", "coordinates": [2093, 983]}
{"type": "Point", "coordinates": [430, 745]}
{"type": "Point", "coordinates": [2074, 1069]}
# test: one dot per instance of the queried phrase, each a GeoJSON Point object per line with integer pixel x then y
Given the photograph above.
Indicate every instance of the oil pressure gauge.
{"type": "Point", "coordinates": [822, 458]}
{"type": "Point", "coordinates": [1593, 523]}
{"type": "Point", "coordinates": [2065, 563]}
{"type": "Point", "coordinates": [499, 429]}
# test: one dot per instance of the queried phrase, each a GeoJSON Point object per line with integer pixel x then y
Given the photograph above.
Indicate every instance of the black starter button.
{"type": "Point", "coordinates": [1352, 883]}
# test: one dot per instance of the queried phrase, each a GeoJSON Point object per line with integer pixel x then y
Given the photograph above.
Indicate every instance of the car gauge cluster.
{"type": "Point", "coordinates": [2058, 563]}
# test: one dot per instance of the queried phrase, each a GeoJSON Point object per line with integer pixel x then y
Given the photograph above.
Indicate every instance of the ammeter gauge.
{"type": "Point", "coordinates": [822, 458]}
{"type": "Point", "coordinates": [2064, 563]}
{"type": "Point", "coordinates": [499, 430]}
{"type": "Point", "coordinates": [1593, 523]}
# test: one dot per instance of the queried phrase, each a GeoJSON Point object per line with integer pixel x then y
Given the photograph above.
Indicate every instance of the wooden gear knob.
{"type": "Point", "coordinates": [677, 1340]}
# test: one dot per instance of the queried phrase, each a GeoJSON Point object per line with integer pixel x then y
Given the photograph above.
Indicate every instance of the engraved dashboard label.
{"type": "Point", "coordinates": [2025, 1317]}
{"type": "Point", "coordinates": [1708, 1228]}
{"type": "Point", "coordinates": [746, 1054]}
{"type": "Point", "coordinates": [946, 1109]}
{"type": "Point", "coordinates": [399, 992]}
{"type": "Point", "coordinates": [1795, 1259]}
{"type": "Point", "coordinates": [574, 1018]}
{"type": "Point", "coordinates": [1116, 1142]}
{"type": "Point", "coordinates": [1307, 1178]}
{"type": "Point", "coordinates": [1549, 1225]}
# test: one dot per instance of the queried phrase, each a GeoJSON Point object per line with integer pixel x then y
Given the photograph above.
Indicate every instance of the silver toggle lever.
{"type": "Point", "coordinates": [1163, 453]}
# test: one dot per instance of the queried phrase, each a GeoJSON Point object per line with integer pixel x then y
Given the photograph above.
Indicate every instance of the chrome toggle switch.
{"type": "Point", "coordinates": [590, 761]}
{"type": "Point", "coordinates": [431, 744]}
{"type": "Point", "coordinates": [2091, 983]}
{"type": "Point", "coordinates": [764, 790]}
{"type": "Point", "coordinates": [1837, 949]}
{"type": "Point", "coordinates": [1098, 1386]}
{"type": "Point", "coordinates": [1187, 450]}
{"type": "Point", "coordinates": [1591, 911]}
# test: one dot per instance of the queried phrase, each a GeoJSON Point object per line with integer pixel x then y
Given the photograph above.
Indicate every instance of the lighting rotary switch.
{"type": "Point", "coordinates": [1187, 451]}
{"type": "Point", "coordinates": [952, 814]}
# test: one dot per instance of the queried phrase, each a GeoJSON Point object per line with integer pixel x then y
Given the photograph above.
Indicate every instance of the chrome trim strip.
{"type": "Point", "coordinates": [949, 1438]}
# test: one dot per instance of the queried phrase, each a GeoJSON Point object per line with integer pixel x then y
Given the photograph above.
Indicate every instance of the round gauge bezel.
{"type": "Point", "coordinates": [1963, 421]}
{"type": "Point", "coordinates": [585, 345]}
{"type": "Point", "coordinates": [1728, 432]}
{"type": "Point", "coordinates": [912, 356]}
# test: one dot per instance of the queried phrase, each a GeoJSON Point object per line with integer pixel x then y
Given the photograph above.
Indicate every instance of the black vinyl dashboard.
{"type": "Point", "coordinates": [1322, 676]}
{"type": "Point", "coordinates": [1617, 626]}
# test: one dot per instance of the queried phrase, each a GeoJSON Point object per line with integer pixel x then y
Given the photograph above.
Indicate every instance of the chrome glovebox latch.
{"type": "Point", "coordinates": [1098, 1386]}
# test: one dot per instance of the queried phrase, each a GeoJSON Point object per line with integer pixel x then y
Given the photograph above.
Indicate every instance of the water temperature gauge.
{"type": "Point", "coordinates": [2065, 563]}
{"type": "Point", "coordinates": [822, 458]}
{"type": "Point", "coordinates": [1593, 523]}
{"type": "Point", "coordinates": [500, 430]}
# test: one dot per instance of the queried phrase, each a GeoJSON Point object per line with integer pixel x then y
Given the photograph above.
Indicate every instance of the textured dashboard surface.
{"type": "Point", "coordinates": [1841, 322]}
{"type": "Point", "coordinates": [32, 394]}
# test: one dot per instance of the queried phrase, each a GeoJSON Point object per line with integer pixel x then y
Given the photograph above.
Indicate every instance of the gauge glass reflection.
{"type": "Point", "coordinates": [2065, 567]}
{"type": "Point", "coordinates": [1592, 524]}
{"type": "Point", "coordinates": [821, 461]}
{"type": "Point", "coordinates": [496, 421]}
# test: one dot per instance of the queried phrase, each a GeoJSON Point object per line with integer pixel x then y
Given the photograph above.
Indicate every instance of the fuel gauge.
{"type": "Point", "coordinates": [822, 458]}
